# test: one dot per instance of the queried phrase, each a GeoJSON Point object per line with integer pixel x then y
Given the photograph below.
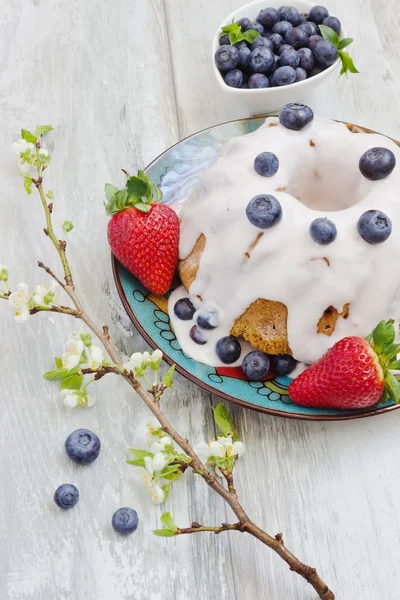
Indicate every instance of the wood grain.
{"type": "Point", "coordinates": [121, 81]}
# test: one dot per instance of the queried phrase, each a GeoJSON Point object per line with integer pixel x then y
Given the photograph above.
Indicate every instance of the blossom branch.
{"type": "Point", "coordinates": [151, 400]}
{"type": "Point", "coordinates": [197, 528]}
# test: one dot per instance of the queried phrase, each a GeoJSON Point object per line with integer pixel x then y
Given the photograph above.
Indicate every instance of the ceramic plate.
{"type": "Point", "coordinates": [177, 171]}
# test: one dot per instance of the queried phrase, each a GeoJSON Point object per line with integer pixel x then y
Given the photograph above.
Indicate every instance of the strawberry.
{"type": "Point", "coordinates": [143, 235]}
{"type": "Point", "coordinates": [353, 374]}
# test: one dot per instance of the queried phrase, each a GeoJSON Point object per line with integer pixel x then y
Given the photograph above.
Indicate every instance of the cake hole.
{"type": "Point", "coordinates": [327, 323]}
{"type": "Point", "coordinates": [324, 258]}
{"type": "Point", "coordinates": [247, 255]}
{"type": "Point", "coordinates": [327, 179]}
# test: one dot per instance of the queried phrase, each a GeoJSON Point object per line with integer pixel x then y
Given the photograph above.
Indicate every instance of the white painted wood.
{"type": "Point", "coordinates": [121, 81]}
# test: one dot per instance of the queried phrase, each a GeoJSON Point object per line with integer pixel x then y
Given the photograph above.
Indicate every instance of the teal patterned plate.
{"type": "Point", "coordinates": [177, 171]}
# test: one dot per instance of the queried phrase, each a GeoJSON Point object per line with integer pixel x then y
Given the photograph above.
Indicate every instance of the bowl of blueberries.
{"type": "Point", "coordinates": [266, 55]}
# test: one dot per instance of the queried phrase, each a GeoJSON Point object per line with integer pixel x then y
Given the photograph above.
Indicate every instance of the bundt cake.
{"type": "Point", "coordinates": [287, 241]}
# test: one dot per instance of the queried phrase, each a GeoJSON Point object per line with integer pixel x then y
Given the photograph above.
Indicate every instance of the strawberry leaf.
{"type": "Point", "coordinates": [393, 387]}
{"type": "Point", "coordinates": [383, 335]}
{"type": "Point", "coordinates": [136, 187]}
{"type": "Point", "coordinates": [139, 192]}
{"type": "Point", "coordinates": [146, 208]}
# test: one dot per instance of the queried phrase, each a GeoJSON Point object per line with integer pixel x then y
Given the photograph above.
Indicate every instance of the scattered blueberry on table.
{"type": "Point", "coordinates": [66, 496]}
{"type": "Point", "coordinates": [82, 446]}
{"type": "Point", "coordinates": [125, 520]}
{"type": "Point", "coordinates": [303, 44]}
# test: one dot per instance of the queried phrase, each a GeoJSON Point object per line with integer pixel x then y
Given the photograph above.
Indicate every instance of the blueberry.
{"type": "Point", "coordinates": [291, 15]}
{"type": "Point", "coordinates": [255, 365]}
{"type": "Point", "coordinates": [377, 163]}
{"type": "Point", "coordinates": [82, 446]}
{"type": "Point", "coordinates": [228, 349]}
{"type": "Point", "coordinates": [125, 520]}
{"type": "Point", "coordinates": [316, 70]}
{"type": "Point", "coordinates": [318, 14]}
{"type": "Point", "coordinates": [303, 17]}
{"type": "Point", "coordinates": [297, 38]}
{"type": "Point", "coordinates": [283, 76]}
{"type": "Point", "coordinates": [258, 80]}
{"type": "Point", "coordinates": [283, 364]}
{"type": "Point", "coordinates": [184, 309]}
{"type": "Point", "coordinates": [310, 28]}
{"type": "Point", "coordinates": [323, 231]}
{"type": "Point", "coordinates": [227, 58]}
{"type": "Point", "coordinates": [261, 41]}
{"type": "Point", "coordinates": [313, 41]}
{"type": "Point", "coordinates": [282, 28]}
{"type": "Point", "coordinates": [307, 60]}
{"type": "Point", "coordinates": [244, 23]}
{"type": "Point", "coordinates": [268, 17]}
{"type": "Point", "coordinates": [244, 57]}
{"type": "Point", "coordinates": [261, 60]}
{"type": "Point", "coordinates": [280, 9]}
{"type": "Point", "coordinates": [66, 496]}
{"type": "Point", "coordinates": [254, 25]}
{"type": "Point", "coordinates": [374, 226]}
{"type": "Point", "coordinates": [234, 78]}
{"type": "Point", "coordinates": [276, 41]}
{"type": "Point", "coordinates": [295, 116]}
{"type": "Point", "coordinates": [264, 211]}
{"type": "Point", "coordinates": [197, 335]}
{"type": "Point", "coordinates": [207, 319]}
{"type": "Point", "coordinates": [289, 58]}
{"type": "Point", "coordinates": [240, 45]}
{"type": "Point", "coordinates": [301, 75]}
{"type": "Point", "coordinates": [224, 40]}
{"type": "Point", "coordinates": [325, 53]}
{"type": "Point", "coordinates": [333, 23]}
{"type": "Point", "coordinates": [285, 47]}
{"type": "Point", "coordinates": [266, 164]}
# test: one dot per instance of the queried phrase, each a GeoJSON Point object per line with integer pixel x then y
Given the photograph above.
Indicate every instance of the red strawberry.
{"type": "Point", "coordinates": [144, 237]}
{"type": "Point", "coordinates": [353, 374]}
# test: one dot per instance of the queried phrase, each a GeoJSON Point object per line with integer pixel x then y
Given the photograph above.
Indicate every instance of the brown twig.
{"type": "Point", "coordinates": [244, 523]}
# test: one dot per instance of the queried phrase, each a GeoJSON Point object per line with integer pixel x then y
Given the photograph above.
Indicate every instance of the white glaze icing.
{"type": "Point", "coordinates": [287, 265]}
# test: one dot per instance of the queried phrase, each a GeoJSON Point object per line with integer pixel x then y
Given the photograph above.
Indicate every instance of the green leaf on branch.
{"type": "Point", "coordinates": [138, 462]}
{"type": "Point", "coordinates": [27, 183]}
{"type": "Point", "coordinates": [164, 533]}
{"type": "Point", "coordinates": [56, 374]}
{"type": "Point", "coordinates": [50, 195]}
{"type": "Point", "coordinates": [167, 380]}
{"type": "Point", "coordinates": [67, 226]}
{"type": "Point", "coordinates": [58, 362]}
{"type": "Point", "coordinates": [141, 453]}
{"type": "Point", "coordinates": [344, 43]}
{"type": "Point", "coordinates": [28, 136]}
{"type": "Point", "coordinates": [42, 130]}
{"type": "Point", "coordinates": [168, 522]}
{"type": "Point", "coordinates": [223, 419]}
{"type": "Point", "coordinates": [72, 382]}
{"type": "Point", "coordinates": [166, 489]}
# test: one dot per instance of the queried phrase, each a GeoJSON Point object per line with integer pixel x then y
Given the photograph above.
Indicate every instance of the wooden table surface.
{"type": "Point", "coordinates": [122, 80]}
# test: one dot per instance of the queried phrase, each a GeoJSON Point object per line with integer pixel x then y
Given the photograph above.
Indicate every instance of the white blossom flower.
{"type": "Point", "coordinates": [72, 355]}
{"type": "Point", "coordinates": [74, 398]}
{"type": "Point", "coordinates": [202, 449]}
{"type": "Point", "coordinates": [44, 156]}
{"type": "Point", "coordinates": [157, 355]}
{"type": "Point", "coordinates": [231, 448]}
{"type": "Point", "coordinates": [136, 361]}
{"type": "Point", "coordinates": [27, 154]}
{"type": "Point", "coordinates": [44, 296]}
{"type": "Point", "coordinates": [20, 301]}
{"type": "Point", "coordinates": [160, 460]}
{"type": "Point", "coordinates": [160, 444]}
{"type": "Point", "coordinates": [146, 473]}
{"type": "Point", "coordinates": [95, 357]}
{"type": "Point", "coordinates": [3, 273]}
